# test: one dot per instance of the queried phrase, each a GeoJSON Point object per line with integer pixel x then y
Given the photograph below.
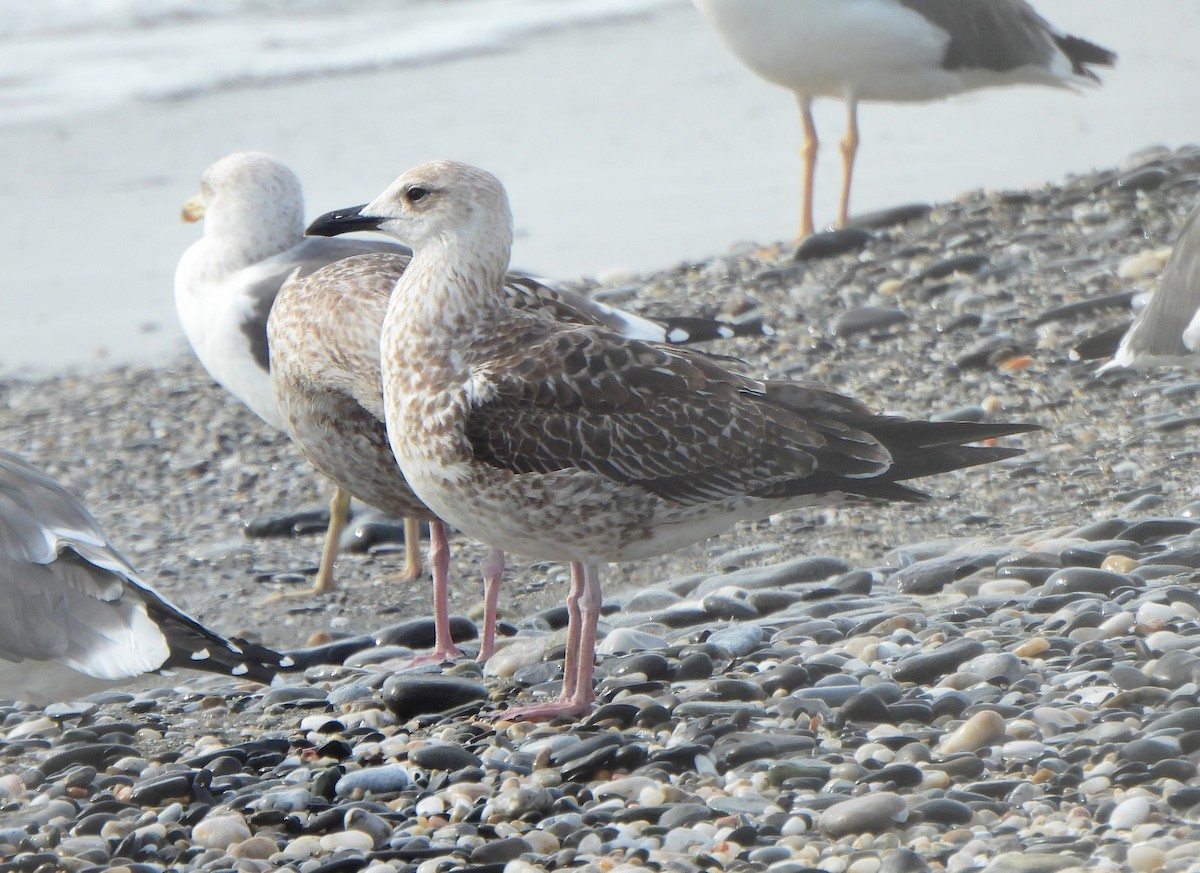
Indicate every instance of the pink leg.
{"type": "Point", "coordinates": [583, 611]}
{"type": "Point", "coordinates": [493, 571]}
{"type": "Point", "coordinates": [439, 564]}
{"type": "Point", "coordinates": [570, 665]}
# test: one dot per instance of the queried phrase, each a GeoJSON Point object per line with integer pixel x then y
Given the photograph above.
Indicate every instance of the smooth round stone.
{"type": "Point", "coordinates": [864, 706]}
{"type": "Point", "coordinates": [1030, 862]}
{"type": "Point", "coordinates": [903, 861]}
{"type": "Point", "coordinates": [357, 841]}
{"type": "Point", "coordinates": [943, 811]}
{"type": "Point", "coordinates": [793, 572]}
{"type": "Point", "coordinates": [869, 814]}
{"type": "Point", "coordinates": [627, 639]}
{"type": "Point", "coordinates": [515, 655]}
{"type": "Point", "coordinates": [1129, 813]}
{"type": "Point", "coordinates": [866, 318]}
{"type": "Point", "coordinates": [697, 665]}
{"type": "Point", "coordinates": [1145, 859]}
{"type": "Point", "coordinates": [770, 855]}
{"type": "Point", "coordinates": [652, 665]}
{"type": "Point", "coordinates": [1009, 587]}
{"type": "Point", "coordinates": [257, 847]}
{"type": "Point", "coordinates": [982, 729]}
{"type": "Point", "coordinates": [1075, 580]}
{"type": "Point", "coordinates": [220, 831]}
{"type": "Point", "coordinates": [1032, 648]}
{"type": "Point", "coordinates": [798, 768]}
{"type": "Point", "coordinates": [924, 667]}
{"type": "Point", "coordinates": [374, 780]}
{"type": "Point", "coordinates": [442, 756]}
{"type": "Point", "coordinates": [1150, 750]}
{"type": "Point", "coordinates": [410, 695]}
{"type": "Point", "coordinates": [287, 800]}
{"type": "Point", "coordinates": [358, 819]}
{"type": "Point", "coordinates": [725, 606]}
{"type": "Point", "coordinates": [739, 640]}
{"type": "Point", "coordinates": [1176, 669]}
{"type": "Point", "coordinates": [996, 665]}
{"type": "Point", "coordinates": [500, 851]}
{"type": "Point", "coordinates": [683, 815]}
{"type": "Point", "coordinates": [513, 804]}
{"type": "Point", "coordinates": [1156, 614]}
{"type": "Point", "coordinates": [650, 600]}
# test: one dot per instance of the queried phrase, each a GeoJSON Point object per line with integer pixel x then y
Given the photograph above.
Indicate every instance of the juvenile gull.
{"type": "Point", "coordinates": [253, 211]}
{"type": "Point", "coordinates": [74, 614]}
{"type": "Point", "coordinates": [323, 336]}
{"type": "Point", "coordinates": [1167, 332]}
{"type": "Point", "coordinates": [570, 442]}
{"type": "Point", "coordinates": [893, 50]}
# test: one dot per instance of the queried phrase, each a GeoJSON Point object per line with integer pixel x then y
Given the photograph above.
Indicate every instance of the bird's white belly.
{"type": "Point", "coordinates": [869, 49]}
{"type": "Point", "coordinates": [569, 516]}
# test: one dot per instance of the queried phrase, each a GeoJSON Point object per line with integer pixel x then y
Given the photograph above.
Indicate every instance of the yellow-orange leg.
{"type": "Point", "coordinates": [412, 551]}
{"type": "Point", "coordinates": [808, 156]}
{"type": "Point", "coordinates": [339, 514]}
{"type": "Point", "coordinates": [849, 147]}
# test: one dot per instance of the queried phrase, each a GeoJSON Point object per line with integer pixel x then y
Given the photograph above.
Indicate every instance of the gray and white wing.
{"type": "Point", "coordinates": [1168, 329]}
{"type": "Point", "coordinates": [68, 596]}
{"type": "Point", "coordinates": [1004, 35]}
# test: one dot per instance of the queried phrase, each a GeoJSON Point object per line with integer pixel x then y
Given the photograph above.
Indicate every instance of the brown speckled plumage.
{"type": "Point", "coordinates": [324, 332]}
{"type": "Point", "coordinates": [570, 442]}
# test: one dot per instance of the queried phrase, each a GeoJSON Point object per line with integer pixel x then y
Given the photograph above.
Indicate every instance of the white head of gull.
{"type": "Point", "coordinates": [570, 442]}
{"type": "Point", "coordinates": [74, 614]}
{"type": "Point", "coordinates": [893, 50]}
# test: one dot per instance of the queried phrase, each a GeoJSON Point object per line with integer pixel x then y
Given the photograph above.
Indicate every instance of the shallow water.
{"type": "Point", "coordinates": [626, 144]}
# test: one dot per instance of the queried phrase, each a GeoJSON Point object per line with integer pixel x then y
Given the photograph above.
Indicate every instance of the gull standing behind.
{"type": "Point", "coordinates": [324, 339]}
{"type": "Point", "coordinates": [75, 616]}
{"type": "Point", "coordinates": [253, 210]}
{"type": "Point", "coordinates": [1167, 332]}
{"type": "Point", "coordinates": [893, 50]}
{"type": "Point", "coordinates": [570, 442]}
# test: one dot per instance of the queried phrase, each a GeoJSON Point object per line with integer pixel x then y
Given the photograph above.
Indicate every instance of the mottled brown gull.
{"type": "Point", "coordinates": [253, 210]}
{"type": "Point", "coordinates": [324, 344]}
{"type": "Point", "coordinates": [893, 50]}
{"type": "Point", "coordinates": [570, 442]}
{"type": "Point", "coordinates": [74, 614]}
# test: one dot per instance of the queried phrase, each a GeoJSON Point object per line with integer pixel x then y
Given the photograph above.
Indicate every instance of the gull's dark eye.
{"type": "Point", "coordinates": [416, 195]}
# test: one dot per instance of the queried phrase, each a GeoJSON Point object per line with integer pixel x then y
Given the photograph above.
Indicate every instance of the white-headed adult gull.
{"type": "Point", "coordinates": [893, 50]}
{"type": "Point", "coordinates": [253, 210]}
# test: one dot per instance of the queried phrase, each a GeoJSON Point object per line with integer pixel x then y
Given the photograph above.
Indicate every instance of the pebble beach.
{"type": "Point", "coordinates": [1003, 678]}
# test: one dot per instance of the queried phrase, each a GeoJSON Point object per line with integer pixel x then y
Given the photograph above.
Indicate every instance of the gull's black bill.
{"type": "Point", "coordinates": [341, 221]}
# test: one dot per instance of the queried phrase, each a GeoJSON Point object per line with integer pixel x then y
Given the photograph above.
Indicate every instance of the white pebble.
{"type": "Point", "coordinates": [220, 831]}
{"type": "Point", "coordinates": [1129, 813]}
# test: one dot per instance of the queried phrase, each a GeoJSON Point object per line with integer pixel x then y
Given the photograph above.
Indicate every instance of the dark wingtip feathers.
{"type": "Point", "coordinates": [1081, 53]}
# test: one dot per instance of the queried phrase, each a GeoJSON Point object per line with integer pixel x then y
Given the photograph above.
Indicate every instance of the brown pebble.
{"type": "Point", "coordinates": [1119, 564]}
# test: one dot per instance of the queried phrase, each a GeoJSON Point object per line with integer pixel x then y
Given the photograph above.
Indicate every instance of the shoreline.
{"type": "Point", "coordinates": [602, 184]}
